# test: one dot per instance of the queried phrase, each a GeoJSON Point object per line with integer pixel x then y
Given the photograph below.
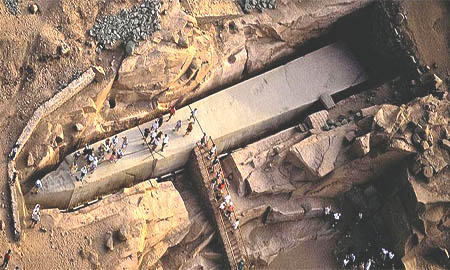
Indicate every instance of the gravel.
{"type": "Point", "coordinates": [133, 24]}
{"type": "Point", "coordinates": [12, 6]}
{"type": "Point", "coordinates": [248, 5]}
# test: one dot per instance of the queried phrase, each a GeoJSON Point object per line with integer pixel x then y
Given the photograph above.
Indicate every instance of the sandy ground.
{"type": "Point", "coordinates": [313, 254]}
{"type": "Point", "coordinates": [20, 97]}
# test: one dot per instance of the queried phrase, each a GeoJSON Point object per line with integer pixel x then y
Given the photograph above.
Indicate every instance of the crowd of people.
{"type": "Point", "coordinates": [89, 158]}
{"type": "Point", "coordinates": [369, 258]}
{"type": "Point", "coordinates": [219, 184]}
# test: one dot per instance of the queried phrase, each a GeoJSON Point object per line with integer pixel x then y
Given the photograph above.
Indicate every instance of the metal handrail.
{"type": "Point", "coordinates": [234, 213]}
{"type": "Point", "coordinates": [210, 138]}
{"type": "Point", "coordinates": [220, 213]}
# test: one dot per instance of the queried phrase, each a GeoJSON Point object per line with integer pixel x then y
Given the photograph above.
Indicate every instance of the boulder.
{"type": "Point", "coordinates": [361, 146]}
{"type": "Point", "coordinates": [109, 242]}
{"type": "Point", "coordinates": [30, 160]}
{"type": "Point", "coordinates": [123, 234]}
{"type": "Point", "coordinates": [320, 153]}
{"type": "Point", "coordinates": [317, 120]}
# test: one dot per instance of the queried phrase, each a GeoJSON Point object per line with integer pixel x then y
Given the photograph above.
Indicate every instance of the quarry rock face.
{"type": "Point", "coordinates": [155, 215]}
{"type": "Point", "coordinates": [184, 58]}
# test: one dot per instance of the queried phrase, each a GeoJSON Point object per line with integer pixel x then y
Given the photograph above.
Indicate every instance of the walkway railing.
{"type": "Point", "coordinates": [239, 240]}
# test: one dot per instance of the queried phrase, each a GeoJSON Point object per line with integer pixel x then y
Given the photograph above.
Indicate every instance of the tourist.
{"type": "Point", "coordinates": [159, 135]}
{"type": "Point", "coordinates": [6, 259]}
{"type": "Point", "coordinates": [219, 194]}
{"type": "Point", "coordinates": [115, 141]}
{"type": "Point", "coordinates": [14, 150]}
{"type": "Point", "coordinates": [215, 162]}
{"type": "Point", "coordinates": [76, 156]}
{"type": "Point", "coordinates": [101, 152]}
{"type": "Point", "coordinates": [90, 159]}
{"type": "Point", "coordinates": [160, 121]}
{"type": "Point", "coordinates": [153, 136]}
{"type": "Point", "coordinates": [241, 265]}
{"type": "Point", "coordinates": [221, 186]}
{"type": "Point", "coordinates": [368, 264]}
{"type": "Point", "coordinates": [124, 142]}
{"type": "Point", "coordinates": [384, 254]}
{"type": "Point", "coordinates": [177, 126]}
{"type": "Point", "coordinates": [230, 209]}
{"type": "Point", "coordinates": [119, 155]}
{"type": "Point", "coordinates": [222, 206]}
{"type": "Point", "coordinates": [228, 198]}
{"type": "Point", "coordinates": [38, 185]}
{"type": "Point", "coordinates": [327, 210]}
{"type": "Point", "coordinates": [107, 145]}
{"type": "Point", "coordinates": [213, 183]}
{"type": "Point", "coordinates": [35, 215]}
{"type": "Point", "coordinates": [236, 224]}
{"type": "Point", "coordinates": [155, 125]}
{"type": "Point", "coordinates": [172, 112]}
{"type": "Point", "coordinates": [336, 217]}
{"type": "Point", "coordinates": [212, 151]}
{"type": "Point", "coordinates": [14, 177]}
{"type": "Point", "coordinates": [193, 114]}
{"type": "Point", "coordinates": [94, 164]}
{"type": "Point", "coordinates": [165, 142]}
{"type": "Point", "coordinates": [83, 173]}
{"type": "Point", "coordinates": [155, 144]}
{"type": "Point", "coordinates": [73, 168]}
{"type": "Point", "coordinates": [146, 133]}
{"type": "Point", "coordinates": [189, 128]}
{"type": "Point", "coordinates": [346, 262]}
{"type": "Point", "coordinates": [87, 150]}
{"type": "Point", "coordinates": [112, 158]}
{"type": "Point", "coordinates": [204, 139]}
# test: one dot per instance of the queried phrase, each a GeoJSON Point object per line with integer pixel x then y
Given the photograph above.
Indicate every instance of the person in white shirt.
{"type": "Point", "coordinates": [35, 215]}
{"type": "Point", "coordinates": [38, 185]}
{"type": "Point", "coordinates": [228, 198]}
{"type": "Point", "coordinates": [155, 125]}
{"type": "Point", "coordinates": [236, 224]}
{"type": "Point", "coordinates": [165, 142]}
{"type": "Point", "coordinates": [193, 114]}
{"type": "Point", "coordinates": [212, 151]}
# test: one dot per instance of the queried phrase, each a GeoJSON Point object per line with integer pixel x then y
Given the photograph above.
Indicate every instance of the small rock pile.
{"type": "Point", "coordinates": [133, 24]}
{"type": "Point", "coordinates": [248, 5]}
{"type": "Point", "coordinates": [12, 6]}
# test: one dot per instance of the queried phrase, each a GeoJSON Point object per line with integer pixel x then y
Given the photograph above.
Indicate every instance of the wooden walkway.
{"type": "Point", "coordinates": [232, 240]}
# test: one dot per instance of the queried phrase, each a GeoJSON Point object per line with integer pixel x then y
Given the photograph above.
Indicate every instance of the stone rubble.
{"type": "Point", "coordinates": [12, 6]}
{"type": "Point", "coordinates": [137, 23]}
{"type": "Point", "coordinates": [249, 5]}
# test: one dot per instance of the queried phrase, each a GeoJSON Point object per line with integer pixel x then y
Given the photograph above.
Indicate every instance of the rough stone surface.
{"type": "Point", "coordinates": [155, 213]}
{"type": "Point", "coordinates": [109, 242]}
{"type": "Point", "coordinates": [30, 160]}
{"type": "Point", "coordinates": [317, 120]}
{"type": "Point", "coordinates": [320, 153]}
{"type": "Point", "coordinates": [123, 232]}
{"type": "Point", "coordinates": [361, 145]}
